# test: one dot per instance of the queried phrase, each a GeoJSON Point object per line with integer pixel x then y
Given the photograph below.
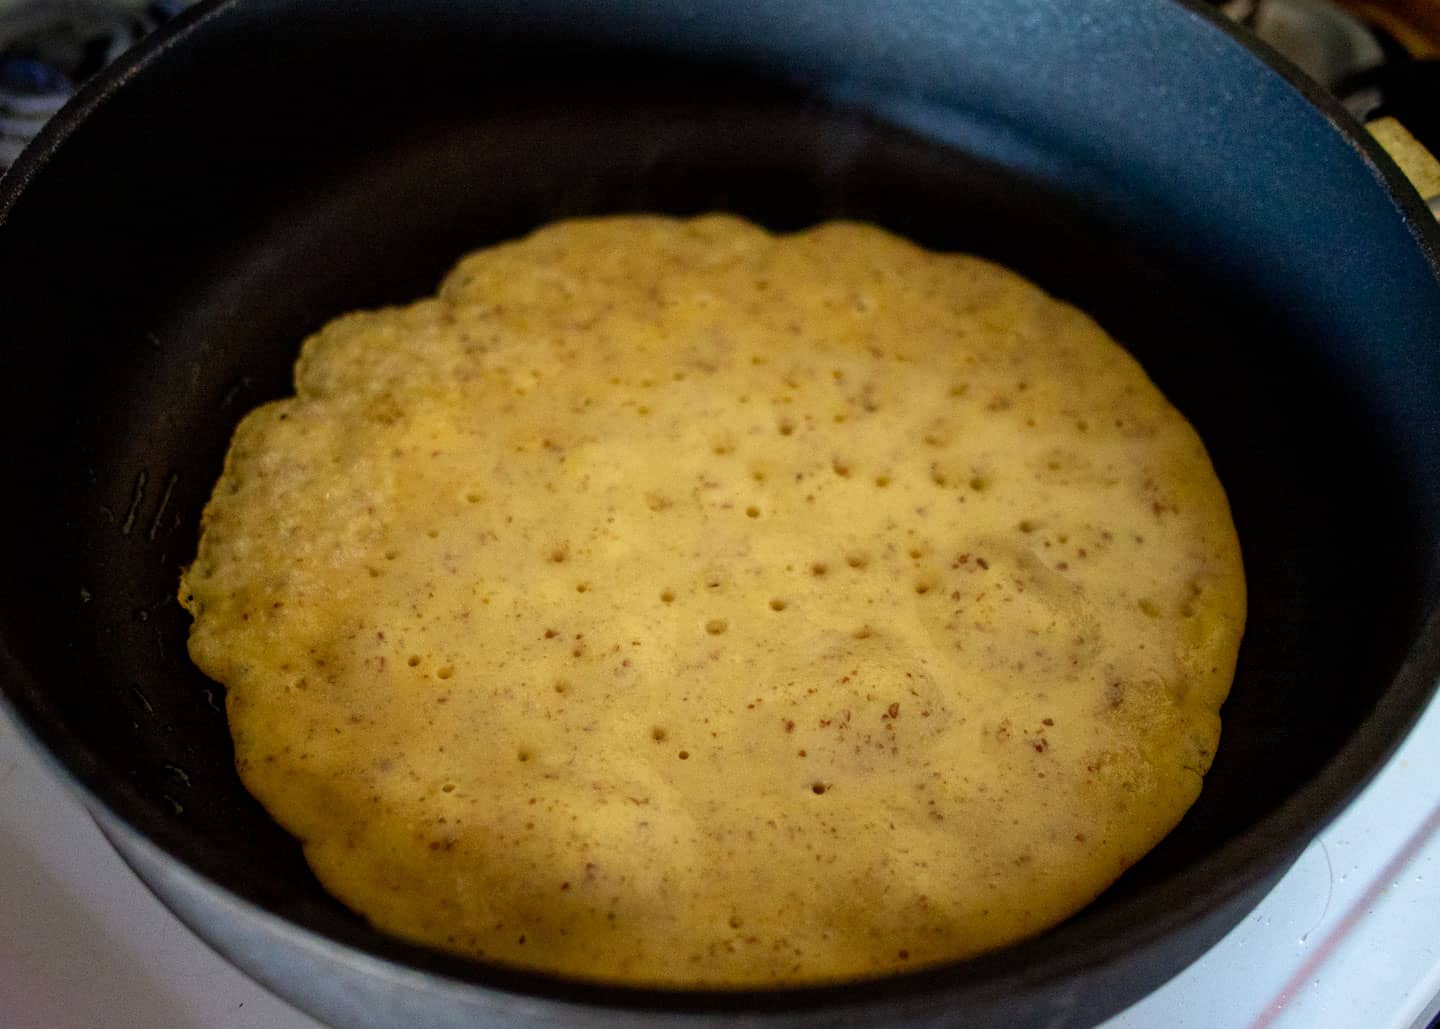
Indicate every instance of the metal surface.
{"type": "Point", "coordinates": [1326, 42]}
{"type": "Point", "coordinates": [1247, 243]}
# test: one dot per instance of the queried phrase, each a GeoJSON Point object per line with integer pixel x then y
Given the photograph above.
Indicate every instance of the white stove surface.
{"type": "Point", "coordinates": [1347, 939]}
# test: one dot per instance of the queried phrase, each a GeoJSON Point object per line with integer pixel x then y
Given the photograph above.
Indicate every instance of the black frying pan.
{"type": "Point", "coordinates": [265, 165]}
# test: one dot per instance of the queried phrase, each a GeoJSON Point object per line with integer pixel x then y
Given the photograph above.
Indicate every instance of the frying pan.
{"type": "Point", "coordinates": [266, 164]}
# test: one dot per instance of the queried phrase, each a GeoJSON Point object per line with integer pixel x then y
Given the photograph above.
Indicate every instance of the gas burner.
{"type": "Point", "coordinates": [1322, 39]}
{"type": "Point", "coordinates": [47, 50]}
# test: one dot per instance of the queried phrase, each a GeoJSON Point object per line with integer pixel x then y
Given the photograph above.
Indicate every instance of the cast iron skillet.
{"type": "Point", "coordinates": [265, 165]}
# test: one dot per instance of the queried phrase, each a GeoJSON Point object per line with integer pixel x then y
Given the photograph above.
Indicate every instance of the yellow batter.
{"type": "Point", "coordinates": [672, 602]}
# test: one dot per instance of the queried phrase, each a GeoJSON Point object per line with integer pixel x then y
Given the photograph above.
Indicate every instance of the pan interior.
{"type": "Point", "coordinates": [161, 299]}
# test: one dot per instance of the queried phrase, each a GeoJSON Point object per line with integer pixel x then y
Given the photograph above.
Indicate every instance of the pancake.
{"type": "Point", "coordinates": [671, 602]}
